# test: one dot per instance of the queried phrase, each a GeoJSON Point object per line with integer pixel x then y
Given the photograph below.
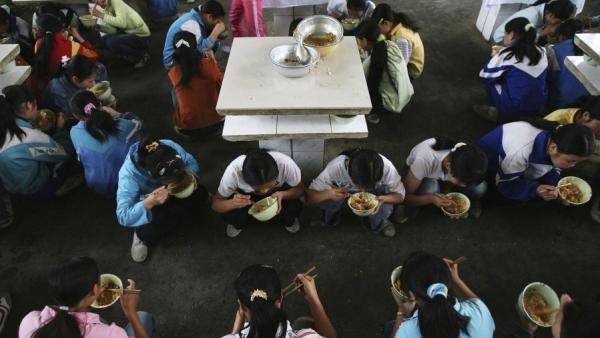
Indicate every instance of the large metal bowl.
{"type": "Point", "coordinates": [320, 24]}
{"type": "Point", "coordinates": [281, 56]}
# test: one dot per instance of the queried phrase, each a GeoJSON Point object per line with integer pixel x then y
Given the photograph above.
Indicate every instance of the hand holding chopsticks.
{"type": "Point", "coordinates": [125, 291]}
{"type": "Point", "coordinates": [302, 280]}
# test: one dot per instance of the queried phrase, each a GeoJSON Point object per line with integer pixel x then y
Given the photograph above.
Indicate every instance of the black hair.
{"type": "Point", "coordinates": [98, 123]}
{"type": "Point", "coordinates": [379, 59]}
{"type": "Point", "coordinates": [567, 30]}
{"type": "Point", "coordinates": [365, 167]}
{"type": "Point", "coordinates": [437, 317]}
{"type": "Point", "coordinates": [160, 161]}
{"type": "Point", "coordinates": [574, 139]}
{"type": "Point", "coordinates": [56, 9]}
{"type": "Point", "coordinates": [259, 168]}
{"type": "Point", "coordinates": [356, 4]}
{"type": "Point", "coordinates": [562, 9]}
{"type": "Point", "coordinates": [265, 316]}
{"type": "Point", "coordinates": [69, 284]}
{"type": "Point", "coordinates": [49, 25]}
{"type": "Point", "coordinates": [524, 44]}
{"type": "Point", "coordinates": [81, 67]}
{"type": "Point", "coordinates": [17, 95]}
{"type": "Point", "coordinates": [4, 17]}
{"type": "Point", "coordinates": [186, 56]}
{"type": "Point", "coordinates": [385, 12]}
{"type": "Point", "coordinates": [8, 123]}
{"type": "Point", "coordinates": [293, 25]}
{"type": "Point", "coordinates": [468, 163]}
{"type": "Point", "coordinates": [580, 320]}
{"type": "Point", "coordinates": [213, 8]}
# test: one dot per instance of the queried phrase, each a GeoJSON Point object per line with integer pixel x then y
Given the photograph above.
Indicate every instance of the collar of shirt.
{"type": "Point", "coordinates": [539, 151]}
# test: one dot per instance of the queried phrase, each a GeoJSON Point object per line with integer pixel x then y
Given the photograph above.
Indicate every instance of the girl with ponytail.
{"type": "Point", "coordinates": [196, 81]}
{"type": "Point", "coordinates": [432, 311]}
{"type": "Point", "coordinates": [260, 313]}
{"type": "Point", "coordinates": [102, 139]}
{"type": "Point", "coordinates": [74, 286]}
{"type": "Point", "coordinates": [515, 78]}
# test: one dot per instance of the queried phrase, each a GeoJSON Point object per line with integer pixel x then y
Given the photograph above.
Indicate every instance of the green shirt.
{"type": "Point", "coordinates": [119, 16]}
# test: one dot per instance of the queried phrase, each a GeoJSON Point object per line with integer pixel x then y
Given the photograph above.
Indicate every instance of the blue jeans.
{"type": "Point", "coordinates": [432, 186]}
{"type": "Point", "coordinates": [148, 323]}
{"type": "Point", "coordinates": [129, 47]}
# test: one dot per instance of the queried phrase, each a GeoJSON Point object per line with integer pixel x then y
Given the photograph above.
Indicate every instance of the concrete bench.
{"type": "Point", "coordinates": [10, 73]}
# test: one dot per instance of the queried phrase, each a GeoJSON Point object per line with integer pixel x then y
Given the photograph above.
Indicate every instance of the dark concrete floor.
{"type": "Point", "coordinates": [187, 280]}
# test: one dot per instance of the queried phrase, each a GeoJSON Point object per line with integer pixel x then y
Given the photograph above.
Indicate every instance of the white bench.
{"type": "Point", "coordinates": [10, 73]}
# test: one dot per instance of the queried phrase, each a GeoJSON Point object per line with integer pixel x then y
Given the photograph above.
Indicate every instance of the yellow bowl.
{"type": "Point", "coordinates": [461, 214]}
{"type": "Point", "coordinates": [265, 209]}
{"type": "Point", "coordinates": [45, 121]}
{"type": "Point", "coordinates": [88, 20]}
{"type": "Point", "coordinates": [397, 293]}
{"type": "Point", "coordinates": [104, 280]}
{"type": "Point", "coordinates": [102, 90]}
{"type": "Point", "coordinates": [580, 184]}
{"type": "Point", "coordinates": [363, 195]}
{"type": "Point", "coordinates": [549, 296]}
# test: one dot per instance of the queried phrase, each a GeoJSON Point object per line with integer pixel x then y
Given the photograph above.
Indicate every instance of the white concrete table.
{"type": "Point", "coordinates": [586, 73]}
{"type": "Point", "coordinates": [589, 43]}
{"type": "Point", "coordinates": [10, 73]}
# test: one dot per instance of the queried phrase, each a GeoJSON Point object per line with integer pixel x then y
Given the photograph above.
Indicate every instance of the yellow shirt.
{"type": "Point", "coordinates": [417, 58]}
{"type": "Point", "coordinates": [567, 116]}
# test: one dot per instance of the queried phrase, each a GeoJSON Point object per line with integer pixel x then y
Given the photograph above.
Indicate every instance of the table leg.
{"type": "Point", "coordinates": [308, 154]}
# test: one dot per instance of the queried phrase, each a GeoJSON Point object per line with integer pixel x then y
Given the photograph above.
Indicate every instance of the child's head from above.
{"type": "Point", "coordinates": [8, 123]}
{"type": "Point", "coordinates": [186, 56]}
{"type": "Point", "coordinates": [86, 107]}
{"type": "Point", "coordinates": [56, 10]}
{"type": "Point", "coordinates": [589, 114]}
{"type": "Point", "coordinates": [258, 290]}
{"type": "Point", "coordinates": [557, 11]}
{"type": "Point", "coordinates": [212, 12]}
{"type": "Point", "coordinates": [365, 168]}
{"type": "Point", "coordinates": [260, 171]}
{"type": "Point", "coordinates": [367, 34]}
{"type": "Point", "coordinates": [576, 319]}
{"type": "Point", "coordinates": [387, 19]}
{"type": "Point", "coordinates": [4, 20]}
{"type": "Point", "coordinates": [466, 165]}
{"type": "Point", "coordinates": [50, 23]}
{"type": "Point", "coordinates": [160, 161]}
{"type": "Point", "coordinates": [22, 101]}
{"type": "Point", "coordinates": [102, 3]}
{"type": "Point", "coordinates": [356, 8]}
{"type": "Point", "coordinates": [519, 30]}
{"type": "Point", "coordinates": [570, 144]}
{"type": "Point", "coordinates": [81, 72]}
{"type": "Point", "coordinates": [568, 28]}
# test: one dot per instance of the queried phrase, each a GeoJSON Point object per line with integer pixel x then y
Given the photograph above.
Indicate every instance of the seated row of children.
{"type": "Point", "coordinates": [439, 304]}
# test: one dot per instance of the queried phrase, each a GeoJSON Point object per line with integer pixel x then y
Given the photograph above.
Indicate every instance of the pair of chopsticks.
{"type": "Point", "coordinates": [294, 286]}
{"type": "Point", "coordinates": [459, 260]}
{"type": "Point", "coordinates": [568, 184]}
{"type": "Point", "coordinates": [125, 291]}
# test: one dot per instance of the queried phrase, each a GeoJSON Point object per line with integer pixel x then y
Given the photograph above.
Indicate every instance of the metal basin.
{"type": "Point", "coordinates": [282, 58]}
{"type": "Point", "coordinates": [321, 25]}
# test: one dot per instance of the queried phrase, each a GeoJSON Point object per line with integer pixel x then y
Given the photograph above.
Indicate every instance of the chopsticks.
{"type": "Point", "coordinates": [564, 185]}
{"type": "Point", "coordinates": [293, 286]}
{"type": "Point", "coordinates": [459, 260]}
{"type": "Point", "coordinates": [125, 291]}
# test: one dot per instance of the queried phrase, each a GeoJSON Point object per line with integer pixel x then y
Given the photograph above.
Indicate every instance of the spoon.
{"type": "Point", "coordinates": [301, 53]}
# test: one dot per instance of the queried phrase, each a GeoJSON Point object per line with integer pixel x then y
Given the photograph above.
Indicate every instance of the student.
{"type": "Point", "coordinates": [436, 161]}
{"type": "Point", "coordinates": [399, 28]}
{"type": "Point", "coordinates": [434, 311]}
{"type": "Point", "coordinates": [205, 22]}
{"type": "Point", "coordinates": [385, 69]}
{"type": "Point", "coordinates": [526, 161]}
{"type": "Point", "coordinates": [197, 81]}
{"type": "Point", "coordinates": [74, 287]}
{"type": "Point", "coordinates": [13, 29]}
{"type": "Point", "coordinates": [143, 201]}
{"type": "Point", "coordinates": [515, 78]}
{"type": "Point", "coordinates": [79, 73]}
{"type": "Point", "coordinates": [252, 177]}
{"type": "Point", "coordinates": [564, 86]}
{"type": "Point", "coordinates": [102, 139]}
{"type": "Point", "coordinates": [355, 171]}
{"type": "Point", "coordinates": [355, 9]}
{"type": "Point", "coordinates": [246, 14]}
{"type": "Point", "coordinates": [544, 15]}
{"type": "Point", "coordinates": [31, 162]}
{"type": "Point", "coordinates": [260, 312]}
{"type": "Point", "coordinates": [584, 111]}
{"type": "Point", "coordinates": [127, 35]}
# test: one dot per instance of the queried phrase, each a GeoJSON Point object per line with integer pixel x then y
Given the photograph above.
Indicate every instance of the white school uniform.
{"type": "Point", "coordinates": [304, 333]}
{"type": "Point", "coordinates": [425, 162]}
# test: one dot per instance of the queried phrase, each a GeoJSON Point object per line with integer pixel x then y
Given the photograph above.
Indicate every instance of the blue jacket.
{"type": "Point", "coordinates": [191, 22]}
{"type": "Point", "coordinates": [102, 160]}
{"type": "Point", "coordinates": [135, 184]}
{"type": "Point", "coordinates": [162, 8]}
{"type": "Point", "coordinates": [25, 164]}
{"type": "Point", "coordinates": [58, 93]}
{"type": "Point", "coordinates": [517, 155]}
{"type": "Point", "coordinates": [564, 86]}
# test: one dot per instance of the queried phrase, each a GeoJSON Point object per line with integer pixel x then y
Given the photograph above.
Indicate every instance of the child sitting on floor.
{"type": "Point", "coordinates": [355, 9]}
{"type": "Point", "coordinates": [14, 30]}
{"type": "Point", "coordinates": [252, 177]}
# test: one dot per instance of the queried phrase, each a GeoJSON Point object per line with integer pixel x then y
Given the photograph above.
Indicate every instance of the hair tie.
{"type": "Point", "coordinates": [258, 293]}
{"type": "Point", "coordinates": [152, 147]}
{"type": "Point", "coordinates": [64, 60]}
{"type": "Point", "coordinates": [48, 33]}
{"type": "Point", "coordinates": [63, 308]}
{"type": "Point", "coordinates": [380, 38]}
{"type": "Point", "coordinates": [529, 26]}
{"type": "Point", "coordinates": [88, 109]}
{"type": "Point", "coordinates": [182, 42]}
{"type": "Point", "coordinates": [437, 289]}
{"type": "Point", "coordinates": [458, 145]}
{"type": "Point", "coordinates": [380, 21]}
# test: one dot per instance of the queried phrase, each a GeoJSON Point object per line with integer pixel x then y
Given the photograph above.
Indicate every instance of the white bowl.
{"type": "Point", "coordinates": [549, 296]}
{"type": "Point", "coordinates": [265, 209]}
{"type": "Point", "coordinates": [102, 90]}
{"type": "Point", "coordinates": [363, 213]}
{"type": "Point", "coordinates": [88, 20]}
{"type": "Point", "coordinates": [461, 214]}
{"type": "Point", "coordinates": [106, 278]}
{"type": "Point", "coordinates": [350, 24]}
{"type": "Point", "coordinates": [280, 58]}
{"type": "Point", "coordinates": [397, 293]}
{"type": "Point", "coordinates": [582, 185]}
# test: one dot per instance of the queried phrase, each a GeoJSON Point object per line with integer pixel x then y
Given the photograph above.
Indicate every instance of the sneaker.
{"type": "Point", "coordinates": [69, 185]}
{"type": "Point", "coordinates": [372, 118]}
{"type": "Point", "coordinates": [595, 210]}
{"type": "Point", "coordinates": [475, 210]}
{"type": "Point", "coordinates": [294, 228]}
{"type": "Point", "coordinates": [5, 305]}
{"type": "Point", "coordinates": [143, 61]}
{"type": "Point", "coordinates": [232, 231]}
{"type": "Point", "coordinates": [400, 214]}
{"type": "Point", "coordinates": [6, 211]}
{"type": "Point", "coordinates": [389, 230]}
{"type": "Point", "coordinates": [139, 250]}
{"type": "Point", "coordinates": [487, 112]}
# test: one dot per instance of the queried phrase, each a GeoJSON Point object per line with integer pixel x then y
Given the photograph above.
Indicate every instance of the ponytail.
{"type": "Point", "coordinates": [524, 44]}
{"type": "Point", "coordinates": [384, 12]}
{"type": "Point", "coordinates": [49, 26]}
{"type": "Point", "coordinates": [8, 123]}
{"type": "Point", "coordinates": [187, 56]}
{"type": "Point", "coordinates": [98, 123]}
{"type": "Point", "coordinates": [17, 96]}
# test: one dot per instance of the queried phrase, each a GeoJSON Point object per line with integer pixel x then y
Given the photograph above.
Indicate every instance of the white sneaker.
{"type": "Point", "coordinates": [294, 228]}
{"type": "Point", "coordinates": [232, 231]}
{"type": "Point", "coordinates": [389, 230]}
{"type": "Point", "coordinates": [139, 250]}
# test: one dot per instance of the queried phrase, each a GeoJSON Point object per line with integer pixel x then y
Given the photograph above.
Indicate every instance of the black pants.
{"type": "Point", "coordinates": [289, 211]}
{"type": "Point", "coordinates": [169, 215]}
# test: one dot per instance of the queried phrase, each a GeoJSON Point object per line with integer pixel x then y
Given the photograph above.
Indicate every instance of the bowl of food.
{"type": "Point", "coordinates": [182, 187]}
{"type": "Point", "coordinates": [539, 303]}
{"type": "Point", "coordinates": [102, 90]}
{"type": "Point", "coordinates": [45, 121]}
{"type": "Point", "coordinates": [396, 286]}
{"type": "Point", "coordinates": [265, 209]}
{"type": "Point", "coordinates": [363, 203]}
{"type": "Point", "coordinates": [460, 207]}
{"type": "Point", "coordinates": [88, 20]}
{"type": "Point", "coordinates": [285, 62]}
{"type": "Point", "coordinates": [574, 190]}
{"type": "Point", "coordinates": [343, 118]}
{"type": "Point", "coordinates": [350, 24]}
{"type": "Point", "coordinates": [321, 32]}
{"type": "Point", "coordinates": [108, 296]}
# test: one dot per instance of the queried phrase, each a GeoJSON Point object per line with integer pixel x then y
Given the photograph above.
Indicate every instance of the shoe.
{"type": "Point", "coordinates": [7, 215]}
{"type": "Point", "coordinates": [400, 216]}
{"type": "Point", "coordinates": [139, 250]}
{"type": "Point", "coordinates": [487, 112]}
{"type": "Point", "coordinates": [232, 231]}
{"type": "Point", "coordinates": [389, 230]}
{"type": "Point", "coordinates": [595, 210]}
{"type": "Point", "coordinates": [5, 305]}
{"type": "Point", "coordinates": [69, 185]}
{"type": "Point", "coordinates": [372, 118]}
{"type": "Point", "coordinates": [294, 228]}
{"type": "Point", "coordinates": [143, 61]}
{"type": "Point", "coordinates": [475, 210]}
